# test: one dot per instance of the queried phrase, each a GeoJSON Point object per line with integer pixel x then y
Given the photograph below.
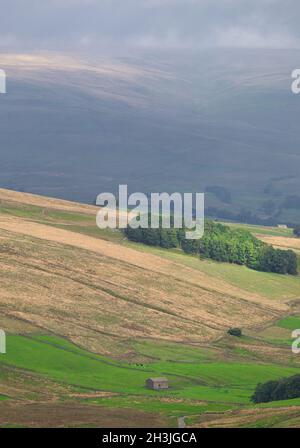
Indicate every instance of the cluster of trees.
{"type": "Point", "coordinates": [277, 260]}
{"type": "Point", "coordinates": [235, 332]}
{"type": "Point", "coordinates": [221, 243]}
{"type": "Point", "coordinates": [283, 389]}
{"type": "Point", "coordinates": [166, 238]}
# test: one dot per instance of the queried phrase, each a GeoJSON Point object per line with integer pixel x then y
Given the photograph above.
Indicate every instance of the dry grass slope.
{"type": "Point", "coordinates": [267, 417]}
{"type": "Point", "coordinates": [122, 293]}
{"type": "Point", "coordinates": [281, 241]}
{"type": "Point", "coordinates": [96, 292]}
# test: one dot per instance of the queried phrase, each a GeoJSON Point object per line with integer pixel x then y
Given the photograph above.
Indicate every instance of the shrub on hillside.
{"type": "Point", "coordinates": [277, 260]}
{"type": "Point", "coordinates": [235, 332]}
{"type": "Point", "coordinates": [283, 389]}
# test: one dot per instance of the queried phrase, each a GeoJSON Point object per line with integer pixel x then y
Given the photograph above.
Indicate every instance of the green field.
{"type": "Point", "coordinates": [198, 383]}
{"type": "Point", "coordinates": [290, 322]}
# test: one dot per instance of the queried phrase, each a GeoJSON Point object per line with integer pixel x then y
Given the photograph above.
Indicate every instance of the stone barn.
{"type": "Point", "coordinates": [157, 383]}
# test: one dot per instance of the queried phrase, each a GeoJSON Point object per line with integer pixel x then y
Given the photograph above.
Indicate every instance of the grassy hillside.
{"type": "Point", "coordinates": [90, 316]}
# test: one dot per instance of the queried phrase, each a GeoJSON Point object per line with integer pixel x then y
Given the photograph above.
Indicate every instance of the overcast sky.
{"type": "Point", "coordinates": [114, 25]}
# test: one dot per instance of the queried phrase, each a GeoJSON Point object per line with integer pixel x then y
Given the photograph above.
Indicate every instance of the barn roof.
{"type": "Point", "coordinates": [158, 379]}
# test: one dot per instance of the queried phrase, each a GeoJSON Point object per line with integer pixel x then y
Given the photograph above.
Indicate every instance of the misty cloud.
{"type": "Point", "coordinates": [119, 24]}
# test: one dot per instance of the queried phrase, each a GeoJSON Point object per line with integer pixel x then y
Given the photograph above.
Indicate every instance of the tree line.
{"type": "Point", "coordinates": [283, 389]}
{"type": "Point", "coordinates": [221, 243]}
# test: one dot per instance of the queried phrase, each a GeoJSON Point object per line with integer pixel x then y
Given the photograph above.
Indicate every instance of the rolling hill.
{"type": "Point", "coordinates": [89, 316]}
{"type": "Point", "coordinates": [199, 121]}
